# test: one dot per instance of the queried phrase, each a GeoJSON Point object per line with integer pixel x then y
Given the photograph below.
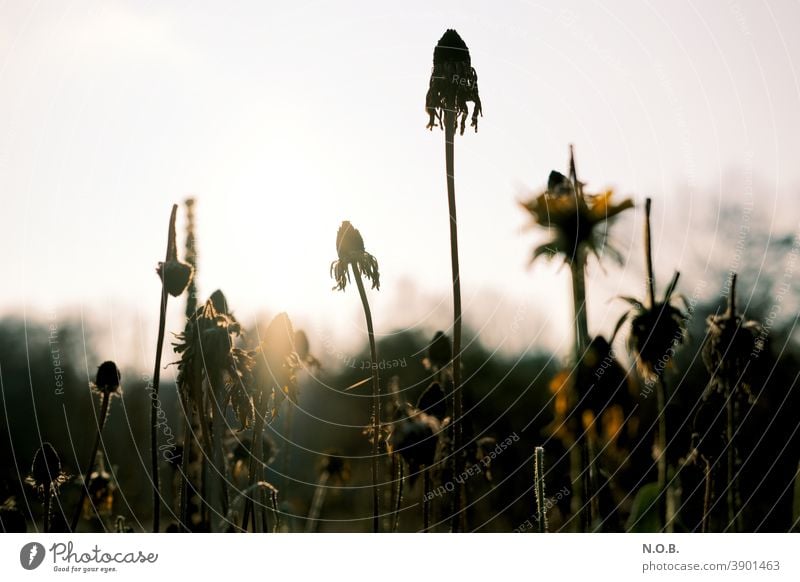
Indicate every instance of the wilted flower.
{"type": "Point", "coordinates": [453, 83]}
{"type": "Point", "coordinates": [655, 331]}
{"type": "Point", "coordinates": [729, 348]}
{"type": "Point", "coordinates": [350, 248]}
{"type": "Point", "coordinates": [175, 274]}
{"type": "Point", "coordinates": [277, 366]}
{"type": "Point", "coordinates": [577, 220]}
{"type": "Point", "coordinates": [440, 352]}
{"type": "Point", "coordinates": [108, 378]}
{"type": "Point", "coordinates": [597, 385]}
{"type": "Point", "coordinates": [46, 474]}
{"type": "Point", "coordinates": [415, 438]}
{"type": "Point", "coordinates": [433, 401]}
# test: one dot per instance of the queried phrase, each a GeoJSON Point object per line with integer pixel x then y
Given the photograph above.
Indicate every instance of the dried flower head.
{"type": "Point", "coordinates": [174, 274]}
{"type": "Point", "coordinates": [440, 352]}
{"type": "Point", "coordinates": [433, 401]}
{"type": "Point", "coordinates": [577, 220]}
{"type": "Point", "coordinates": [335, 466]}
{"type": "Point", "coordinates": [206, 347]}
{"type": "Point", "coordinates": [655, 331]}
{"type": "Point", "coordinates": [415, 438]}
{"type": "Point", "coordinates": [350, 249]}
{"type": "Point", "coordinates": [453, 84]}
{"type": "Point", "coordinates": [108, 378]}
{"type": "Point", "coordinates": [728, 351]}
{"type": "Point", "coordinates": [46, 474]}
{"type": "Point", "coordinates": [278, 363]}
{"type": "Point", "coordinates": [597, 385]}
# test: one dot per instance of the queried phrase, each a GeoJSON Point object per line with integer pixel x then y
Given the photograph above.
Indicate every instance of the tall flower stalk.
{"type": "Point", "coordinates": [453, 84]}
{"type": "Point", "coordinates": [579, 224]}
{"type": "Point", "coordinates": [541, 500]}
{"type": "Point", "coordinates": [175, 276]}
{"type": "Point", "coordinates": [353, 257]}
{"type": "Point", "coordinates": [106, 383]}
{"type": "Point", "coordinates": [730, 344]}
{"type": "Point", "coordinates": [657, 328]}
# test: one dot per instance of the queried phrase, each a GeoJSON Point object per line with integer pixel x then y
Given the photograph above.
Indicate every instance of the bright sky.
{"type": "Point", "coordinates": [284, 119]}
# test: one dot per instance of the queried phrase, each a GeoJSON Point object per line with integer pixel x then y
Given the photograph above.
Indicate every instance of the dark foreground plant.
{"type": "Point", "coordinates": [453, 84]}
{"type": "Point", "coordinates": [579, 225]}
{"type": "Point", "coordinates": [352, 256]}
{"type": "Point", "coordinates": [106, 384]}
{"type": "Point", "coordinates": [175, 277]}
{"type": "Point", "coordinates": [657, 328]}
{"type": "Point", "coordinates": [730, 353]}
{"type": "Point", "coordinates": [46, 477]}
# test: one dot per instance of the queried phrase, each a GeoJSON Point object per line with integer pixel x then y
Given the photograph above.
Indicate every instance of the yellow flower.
{"type": "Point", "coordinates": [579, 221]}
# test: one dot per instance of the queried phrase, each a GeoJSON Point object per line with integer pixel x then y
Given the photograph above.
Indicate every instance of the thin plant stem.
{"type": "Point", "coordinates": [317, 502]}
{"type": "Point", "coordinates": [581, 458]}
{"type": "Point", "coordinates": [661, 389]}
{"type": "Point", "coordinates": [648, 253]}
{"type": "Point", "coordinates": [48, 496]}
{"type": "Point", "coordinates": [538, 475]}
{"type": "Point", "coordinates": [426, 502]}
{"type": "Point", "coordinates": [729, 493]}
{"type": "Point", "coordinates": [187, 448]}
{"type": "Point", "coordinates": [218, 485]}
{"type": "Point", "coordinates": [376, 400]}
{"type": "Point", "coordinates": [92, 460]}
{"type": "Point", "coordinates": [399, 498]}
{"type": "Point", "coordinates": [706, 499]}
{"type": "Point", "coordinates": [258, 430]}
{"type": "Point", "coordinates": [155, 402]}
{"type": "Point", "coordinates": [458, 397]}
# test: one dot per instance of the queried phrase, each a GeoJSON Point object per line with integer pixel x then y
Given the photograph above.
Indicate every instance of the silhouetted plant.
{"type": "Point", "coordinates": [657, 328]}
{"type": "Point", "coordinates": [333, 469]}
{"type": "Point", "coordinates": [106, 384]}
{"type": "Point", "coordinates": [579, 224]}
{"type": "Point", "coordinates": [541, 500]}
{"type": "Point", "coordinates": [46, 477]}
{"type": "Point", "coordinates": [453, 84]}
{"type": "Point", "coordinates": [730, 351]}
{"type": "Point", "coordinates": [175, 276]}
{"type": "Point", "coordinates": [352, 256]}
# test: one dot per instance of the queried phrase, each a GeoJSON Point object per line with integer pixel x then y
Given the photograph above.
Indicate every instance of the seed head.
{"type": "Point", "coordinates": [655, 331]}
{"type": "Point", "coordinates": [415, 438]}
{"type": "Point", "coordinates": [350, 249]}
{"type": "Point", "coordinates": [440, 352]}
{"type": "Point", "coordinates": [729, 348]}
{"type": "Point", "coordinates": [453, 83]}
{"type": "Point", "coordinates": [46, 473]}
{"type": "Point", "coordinates": [433, 401]}
{"type": "Point", "coordinates": [107, 380]}
{"type": "Point", "coordinates": [176, 276]}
